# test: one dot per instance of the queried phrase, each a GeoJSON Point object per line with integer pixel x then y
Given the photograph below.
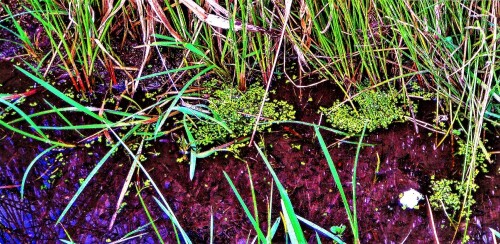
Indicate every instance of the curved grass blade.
{"type": "Point", "coordinates": [73, 109]}
{"type": "Point", "coordinates": [92, 173]}
{"type": "Point", "coordinates": [321, 230]}
{"type": "Point", "coordinates": [21, 132]}
{"type": "Point", "coordinates": [164, 116]}
{"type": "Point", "coordinates": [172, 217]}
{"type": "Point", "coordinates": [28, 169]}
{"type": "Point", "coordinates": [192, 145]}
{"type": "Point", "coordinates": [25, 117]}
{"type": "Point", "coordinates": [62, 96]}
{"type": "Point", "coordinates": [151, 221]}
{"type": "Point", "coordinates": [196, 113]}
{"type": "Point", "coordinates": [338, 183]}
{"type": "Point", "coordinates": [196, 66]}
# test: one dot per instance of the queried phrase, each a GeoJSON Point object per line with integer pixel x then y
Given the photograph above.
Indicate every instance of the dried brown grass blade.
{"type": "Point", "coordinates": [163, 19]}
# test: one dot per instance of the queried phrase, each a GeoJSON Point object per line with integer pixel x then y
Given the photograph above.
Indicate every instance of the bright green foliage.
{"type": "Point", "coordinates": [465, 150]}
{"type": "Point", "coordinates": [377, 108]}
{"type": "Point", "coordinates": [449, 194]}
{"type": "Point", "coordinates": [239, 111]}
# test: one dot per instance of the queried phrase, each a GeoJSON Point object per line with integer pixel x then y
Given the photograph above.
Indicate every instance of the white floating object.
{"type": "Point", "coordinates": [409, 199]}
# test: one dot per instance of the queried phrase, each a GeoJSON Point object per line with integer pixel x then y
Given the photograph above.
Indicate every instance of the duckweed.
{"type": "Point", "coordinates": [239, 111]}
{"type": "Point", "coordinates": [377, 108]}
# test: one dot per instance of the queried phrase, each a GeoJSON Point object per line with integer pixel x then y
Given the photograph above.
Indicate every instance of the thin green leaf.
{"type": "Point", "coordinates": [298, 234]}
{"type": "Point", "coordinates": [92, 173]}
{"type": "Point", "coordinates": [28, 169]}
{"type": "Point", "coordinates": [62, 96]}
{"type": "Point", "coordinates": [255, 225]}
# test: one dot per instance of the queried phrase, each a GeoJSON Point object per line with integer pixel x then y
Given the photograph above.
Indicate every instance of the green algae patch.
{"type": "Point", "coordinates": [378, 109]}
{"type": "Point", "coordinates": [239, 111]}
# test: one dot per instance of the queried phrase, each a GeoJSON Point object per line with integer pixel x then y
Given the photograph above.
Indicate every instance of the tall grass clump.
{"type": "Point", "coordinates": [73, 30]}
{"type": "Point", "coordinates": [455, 44]}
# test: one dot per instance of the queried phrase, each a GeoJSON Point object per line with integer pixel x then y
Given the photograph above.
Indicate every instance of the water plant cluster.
{"type": "Point", "coordinates": [239, 111]}
{"type": "Point", "coordinates": [376, 109]}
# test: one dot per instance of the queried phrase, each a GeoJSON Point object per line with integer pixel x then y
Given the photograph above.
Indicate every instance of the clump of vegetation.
{"type": "Point", "coordinates": [465, 150]}
{"type": "Point", "coordinates": [377, 109]}
{"type": "Point", "coordinates": [449, 195]}
{"type": "Point", "coordinates": [239, 111]}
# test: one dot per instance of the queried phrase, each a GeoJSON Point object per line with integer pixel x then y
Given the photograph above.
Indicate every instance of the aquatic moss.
{"type": "Point", "coordinates": [448, 195]}
{"type": "Point", "coordinates": [377, 109]}
{"type": "Point", "coordinates": [238, 110]}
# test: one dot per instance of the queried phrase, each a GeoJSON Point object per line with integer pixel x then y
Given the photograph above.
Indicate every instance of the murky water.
{"type": "Point", "coordinates": [405, 160]}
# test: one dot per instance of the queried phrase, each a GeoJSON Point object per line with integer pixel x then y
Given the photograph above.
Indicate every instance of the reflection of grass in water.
{"type": "Point", "coordinates": [17, 222]}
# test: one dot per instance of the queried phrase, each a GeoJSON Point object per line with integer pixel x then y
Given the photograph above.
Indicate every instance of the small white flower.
{"type": "Point", "coordinates": [409, 199]}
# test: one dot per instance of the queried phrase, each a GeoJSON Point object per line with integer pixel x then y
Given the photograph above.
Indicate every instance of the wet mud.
{"type": "Point", "coordinates": [399, 159]}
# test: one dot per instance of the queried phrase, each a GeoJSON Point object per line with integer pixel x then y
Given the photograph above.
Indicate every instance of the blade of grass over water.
{"type": "Point", "coordinates": [443, 50]}
{"type": "Point", "coordinates": [171, 215]}
{"type": "Point", "coordinates": [296, 232]}
{"type": "Point", "coordinates": [354, 170]}
{"type": "Point", "coordinates": [93, 173]}
{"type": "Point", "coordinates": [58, 112]}
{"type": "Point", "coordinates": [353, 222]}
{"type": "Point", "coordinates": [163, 117]}
{"type": "Point", "coordinates": [163, 203]}
{"type": "Point", "coordinates": [25, 117]}
{"type": "Point", "coordinates": [151, 221]}
{"type": "Point", "coordinates": [29, 135]}
{"type": "Point", "coordinates": [63, 97]}
{"type": "Point", "coordinates": [28, 169]}
{"type": "Point", "coordinates": [320, 230]}
{"type": "Point", "coordinates": [248, 213]}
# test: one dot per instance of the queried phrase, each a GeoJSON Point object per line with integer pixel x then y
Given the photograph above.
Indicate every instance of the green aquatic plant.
{"type": "Point", "coordinates": [453, 195]}
{"type": "Point", "coordinates": [378, 109]}
{"type": "Point", "coordinates": [465, 150]}
{"type": "Point", "coordinates": [448, 195]}
{"type": "Point", "coordinates": [238, 110]}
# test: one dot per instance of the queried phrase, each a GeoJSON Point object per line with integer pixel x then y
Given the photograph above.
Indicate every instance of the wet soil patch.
{"type": "Point", "coordinates": [406, 160]}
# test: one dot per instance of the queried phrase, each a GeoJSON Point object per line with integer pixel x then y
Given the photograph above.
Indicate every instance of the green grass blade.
{"type": "Point", "coordinates": [255, 225]}
{"type": "Point", "coordinates": [151, 221]}
{"type": "Point", "coordinates": [495, 233]}
{"type": "Point", "coordinates": [28, 169]}
{"type": "Point", "coordinates": [62, 96]}
{"type": "Point", "coordinates": [177, 97]}
{"type": "Point", "coordinates": [21, 132]}
{"type": "Point", "coordinates": [338, 183]}
{"type": "Point", "coordinates": [273, 230]}
{"type": "Point", "coordinates": [92, 173]}
{"type": "Point", "coordinates": [196, 66]}
{"type": "Point", "coordinates": [321, 230]}
{"type": "Point", "coordinates": [73, 109]}
{"type": "Point", "coordinates": [296, 230]}
{"type": "Point", "coordinates": [356, 159]}
{"type": "Point", "coordinates": [25, 117]}
{"type": "Point", "coordinates": [172, 217]}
